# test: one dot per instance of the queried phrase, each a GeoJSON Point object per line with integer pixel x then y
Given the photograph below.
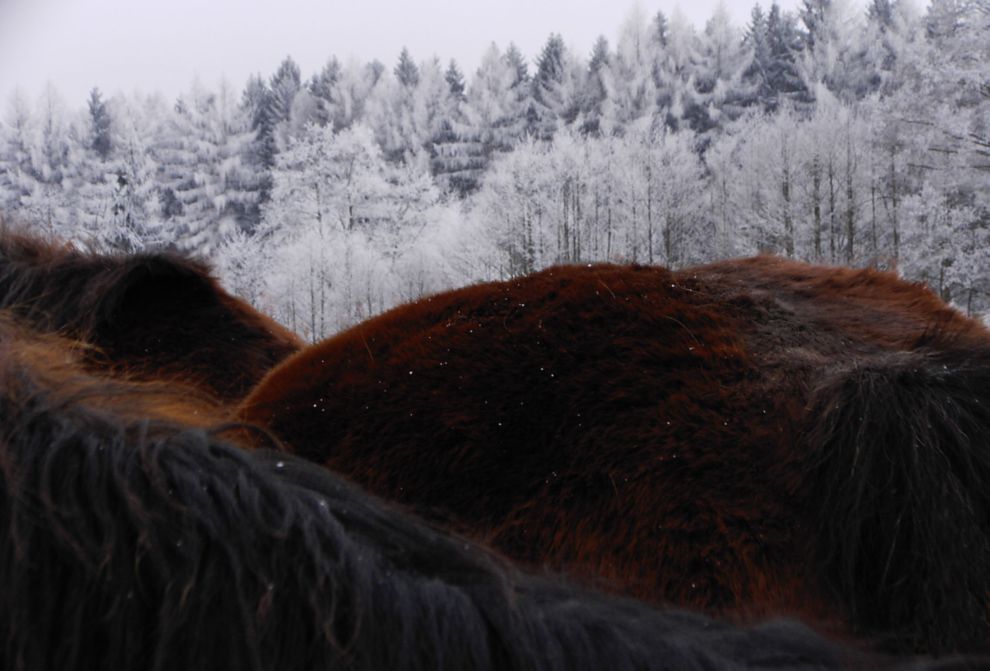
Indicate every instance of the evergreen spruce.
{"type": "Point", "coordinates": [455, 80]}
{"type": "Point", "coordinates": [100, 141]}
{"type": "Point", "coordinates": [406, 71]}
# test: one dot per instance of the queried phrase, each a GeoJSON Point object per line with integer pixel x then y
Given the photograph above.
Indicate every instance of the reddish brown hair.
{"type": "Point", "coordinates": [650, 431]}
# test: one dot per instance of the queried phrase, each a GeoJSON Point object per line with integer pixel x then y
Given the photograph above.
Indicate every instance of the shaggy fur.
{"type": "Point", "coordinates": [906, 438]}
{"type": "Point", "coordinates": [130, 539]}
{"type": "Point", "coordinates": [681, 437]}
{"type": "Point", "coordinates": [155, 316]}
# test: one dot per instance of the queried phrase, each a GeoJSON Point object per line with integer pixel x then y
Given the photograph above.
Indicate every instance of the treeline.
{"type": "Point", "coordinates": [828, 134]}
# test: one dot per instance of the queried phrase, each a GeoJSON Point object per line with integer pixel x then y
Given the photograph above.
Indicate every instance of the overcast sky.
{"type": "Point", "coordinates": [149, 45]}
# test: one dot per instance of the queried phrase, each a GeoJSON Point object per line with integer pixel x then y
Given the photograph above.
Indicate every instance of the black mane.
{"type": "Point", "coordinates": [154, 315]}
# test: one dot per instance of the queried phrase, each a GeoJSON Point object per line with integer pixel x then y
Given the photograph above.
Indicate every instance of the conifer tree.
{"type": "Point", "coordinates": [517, 61]}
{"type": "Point", "coordinates": [723, 57]}
{"type": "Point", "coordinates": [815, 17]}
{"type": "Point", "coordinates": [99, 125]}
{"type": "Point", "coordinates": [631, 72]}
{"type": "Point", "coordinates": [756, 74]}
{"type": "Point", "coordinates": [406, 71]}
{"type": "Point", "coordinates": [595, 93]}
{"type": "Point", "coordinates": [784, 80]}
{"type": "Point", "coordinates": [553, 89]}
{"type": "Point", "coordinates": [525, 115]}
{"type": "Point", "coordinates": [455, 80]}
{"type": "Point", "coordinates": [495, 108]}
{"type": "Point", "coordinates": [284, 86]}
{"type": "Point", "coordinates": [324, 89]}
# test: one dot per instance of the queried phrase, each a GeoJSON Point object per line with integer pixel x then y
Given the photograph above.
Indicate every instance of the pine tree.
{"type": "Point", "coordinates": [595, 93]}
{"type": "Point", "coordinates": [784, 80]}
{"type": "Point", "coordinates": [756, 74]}
{"type": "Point", "coordinates": [99, 125]}
{"type": "Point", "coordinates": [261, 151]}
{"type": "Point", "coordinates": [17, 133]}
{"type": "Point", "coordinates": [207, 190]}
{"type": "Point", "coordinates": [284, 86]}
{"type": "Point", "coordinates": [517, 61]}
{"type": "Point", "coordinates": [553, 92]}
{"type": "Point", "coordinates": [323, 88]}
{"type": "Point", "coordinates": [359, 83]}
{"type": "Point", "coordinates": [815, 17]}
{"type": "Point", "coordinates": [549, 67]}
{"type": "Point", "coordinates": [135, 211]}
{"type": "Point", "coordinates": [406, 71]}
{"type": "Point", "coordinates": [838, 54]}
{"type": "Point", "coordinates": [455, 80]}
{"type": "Point", "coordinates": [723, 57]}
{"type": "Point", "coordinates": [456, 153]}
{"type": "Point", "coordinates": [631, 72]}
{"type": "Point", "coordinates": [661, 29]}
{"type": "Point", "coordinates": [495, 108]}
{"type": "Point", "coordinates": [47, 197]}
{"type": "Point", "coordinates": [97, 178]}
{"type": "Point", "coordinates": [675, 70]}
{"type": "Point", "coordinates": [525, 114]}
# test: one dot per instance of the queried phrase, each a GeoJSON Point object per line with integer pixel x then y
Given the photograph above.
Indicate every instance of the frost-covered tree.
{"type": "Point", "coordinates": [284, 86]}
{"type": "Point", "coordinates": [408, 111]}
{"type": "Point", "coordinates": [493, 108]}
{"type": "Point", "coordinates": [633, 197]}
{"type": "Point", "coordinates": [99, 125]}
{"type": "Point", "coordinates": [358, 84]}
{"type": "Point", "coordinates": [783, 78]}
{"type": "Point", "coordinates": [406, 71]}
{"type": "Point", "coordinates": [836, 52]}
{"type": "Point", "coordinates": [455, 81]}
{"type": "Point", "coordinates": [457, 153]}
{"type": "Point", "coordinates": [136, 210]}
{"type": "Point", "coordinates": [548, 84]}
{"type": "Point", "coordinates": [757, 73]}
{"type": "Point", "coordinates": [556, 86]}
{"type": "Point", "coordinates": [491, 119]}
{"type": "Point", "coordinates": [628, 79]}
{"type": "Point", "coordinates": [323, 88]}
{"type": "Point", "coordinates": [723, 57]}
{"type": "Point", "coordinates": [841, 136]}
{"type": "Point", "coordinates": [44, 179]}
{"type": "Point", "coordinates": [340, 223]}
{"type": "Point", "coordinates": [205, 186]}
{"type": "Point", "coordinates": [18, 178]}
{"type": "Point", "coordinates": [595, 104]}
{"type": "Point", "coordinates": [675, 74]}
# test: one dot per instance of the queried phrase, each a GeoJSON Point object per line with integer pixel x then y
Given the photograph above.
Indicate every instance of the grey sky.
{"type": "Point", "coordinates": [153, 45]}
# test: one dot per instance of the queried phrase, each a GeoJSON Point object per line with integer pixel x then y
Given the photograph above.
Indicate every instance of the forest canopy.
{"type": "Point", "coordinates": [829, 134]}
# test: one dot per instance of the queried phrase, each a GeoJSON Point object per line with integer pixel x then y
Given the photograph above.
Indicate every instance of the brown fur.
{"type": "Point", "coordinates": [133, 537]}
{"type": "Point", "coordinates": [155, 316]}
{"type": "Point", "coordinates": [639, 428]}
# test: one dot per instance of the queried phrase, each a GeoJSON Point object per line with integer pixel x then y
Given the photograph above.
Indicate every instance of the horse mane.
{"type": "Point", "coordinates": [61, 289]}
{"type": "Point", "coordinates": [898, 462]}
{"type": "Point", "coordinates": [133, 539]}
{"type": "Point", "coordinates": [155, 315]}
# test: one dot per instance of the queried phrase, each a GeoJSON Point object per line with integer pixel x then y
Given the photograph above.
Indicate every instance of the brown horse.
{"type": "Point", "coordinates": [748, 437]}
{"type": "Point", "coordinates": [155, 316]}
{"type": "Point", "coordinates": [132, 537]}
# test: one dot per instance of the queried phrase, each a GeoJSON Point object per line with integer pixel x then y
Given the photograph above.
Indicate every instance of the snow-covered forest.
{"type": "Point", "coordinates": [830, 134]}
